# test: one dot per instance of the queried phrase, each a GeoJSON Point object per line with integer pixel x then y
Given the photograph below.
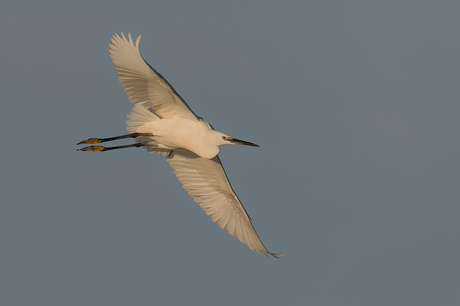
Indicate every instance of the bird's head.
{"type": "Point", "coordinates": [219, 138]}
{"type": "Point", "coordinates": [214, 139]}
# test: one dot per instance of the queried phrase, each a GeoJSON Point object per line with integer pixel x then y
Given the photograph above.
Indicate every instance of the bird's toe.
{"type": "Point", "coordinates": [91, 140]}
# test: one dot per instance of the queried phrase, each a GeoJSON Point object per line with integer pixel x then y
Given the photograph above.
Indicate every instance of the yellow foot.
{"type": "Point", "coordinates": [91, 140]}
{"type": "Point", "coordinates": [93, 148]}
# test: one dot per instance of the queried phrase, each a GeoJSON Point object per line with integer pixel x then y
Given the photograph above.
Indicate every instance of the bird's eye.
{"type": "Point", "coordinates": [223, 137]}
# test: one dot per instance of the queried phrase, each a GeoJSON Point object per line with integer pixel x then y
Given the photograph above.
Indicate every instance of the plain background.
{"type": "Point", "coordinates": [355, 105]}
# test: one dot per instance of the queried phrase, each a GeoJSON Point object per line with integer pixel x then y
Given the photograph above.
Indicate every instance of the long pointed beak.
{"type": "Point", "coordinates": [243, 142]}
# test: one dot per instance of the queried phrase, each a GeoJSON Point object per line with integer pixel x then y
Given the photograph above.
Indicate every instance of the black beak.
{"type": "Point", "coordinates": [243, 142]}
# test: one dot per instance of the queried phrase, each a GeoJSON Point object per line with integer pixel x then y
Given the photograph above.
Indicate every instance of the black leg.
{"type": "Point", "coordinates": [99, 140]}
{"type": "Point", "coordinates": [103, 149]}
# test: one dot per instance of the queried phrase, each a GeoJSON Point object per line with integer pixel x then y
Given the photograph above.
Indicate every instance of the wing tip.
{"type": "Point", "coordinates": [116, 38]}
{"type": "Point", "coordinates": [277, 256]}
{"type": "Point", "coordinates": [138, 39]}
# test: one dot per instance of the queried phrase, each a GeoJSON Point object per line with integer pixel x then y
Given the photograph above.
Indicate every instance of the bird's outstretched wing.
{"type": "Point", "coordinates": [143, 83]}
{"type": "Point", "coordinates": [206, 182]}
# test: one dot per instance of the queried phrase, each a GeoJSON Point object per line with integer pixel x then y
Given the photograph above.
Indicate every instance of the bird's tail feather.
{"type": "Point", "coordinates": [139, 119]}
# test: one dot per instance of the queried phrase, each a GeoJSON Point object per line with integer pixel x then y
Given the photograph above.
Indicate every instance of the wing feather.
{"type": "Point", "coordinates": [142, 83]}
{"type": "Point", "coordinates": [206, 182]}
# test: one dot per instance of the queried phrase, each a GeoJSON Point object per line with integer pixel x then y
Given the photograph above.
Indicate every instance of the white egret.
{"type": "Point", "coordinates": [163, 123]}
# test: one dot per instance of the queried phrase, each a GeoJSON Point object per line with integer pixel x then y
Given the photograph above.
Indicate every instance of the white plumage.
{"type": "Point", "coordinates": [163, 123]}
{"type": "Point", "coordinates": [206, 182]}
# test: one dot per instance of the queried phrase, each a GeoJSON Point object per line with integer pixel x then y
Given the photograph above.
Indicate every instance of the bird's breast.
{"type": "Point", "coordinates": [180, 133]}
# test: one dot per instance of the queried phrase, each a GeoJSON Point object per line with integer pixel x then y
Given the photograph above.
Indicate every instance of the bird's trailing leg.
{"type": "Point", "coordinates": [99, 140]}
{"type": "Point", "coordinates": [103, 149]}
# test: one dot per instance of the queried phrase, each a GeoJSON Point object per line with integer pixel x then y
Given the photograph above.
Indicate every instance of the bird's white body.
{"type": "Point", "coordinates": [163, 123]}
{"type": "Point", "coordinates": [176, 132]}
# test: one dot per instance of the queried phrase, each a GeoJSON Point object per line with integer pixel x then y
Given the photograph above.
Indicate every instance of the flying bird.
{"type": "Point", "coordinates": [163, 123]}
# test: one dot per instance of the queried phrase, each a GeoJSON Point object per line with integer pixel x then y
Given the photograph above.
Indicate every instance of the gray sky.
{"type": "Point", "coordinates": [355, 105]}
